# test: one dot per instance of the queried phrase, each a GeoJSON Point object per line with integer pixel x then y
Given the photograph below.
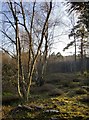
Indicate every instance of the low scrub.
{"type": "Point", "coordinates": [76, 80]}
{"type": "Point", "coordinates": [56, 92]}
{"type": "Point", "coordinates": [85, 99]}
{"type": "Point", "coordinates": [6, 100]}
{"type": "Point", "coordinates": [42, 89]}
{"type": "Point", "coordinates": [81, 91]}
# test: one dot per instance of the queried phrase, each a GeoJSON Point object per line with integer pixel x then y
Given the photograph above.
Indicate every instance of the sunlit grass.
{"type": "Point", "coordinates": [72, 103]}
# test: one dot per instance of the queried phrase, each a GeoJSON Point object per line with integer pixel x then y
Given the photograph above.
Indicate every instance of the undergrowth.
{"type": "Point", "coordinates": [69, 95]}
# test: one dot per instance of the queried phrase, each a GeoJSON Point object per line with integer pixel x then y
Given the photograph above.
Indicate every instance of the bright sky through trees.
{"type": "Point", "coordinates": [61, 32]}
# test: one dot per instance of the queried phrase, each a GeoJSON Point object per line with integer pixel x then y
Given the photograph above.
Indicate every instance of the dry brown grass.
{"type": "Point", "coordinates": [41, 89]}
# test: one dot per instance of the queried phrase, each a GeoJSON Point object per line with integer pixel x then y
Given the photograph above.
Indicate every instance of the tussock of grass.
{"type": "Point", "coordinates": [80, 91]}
{"type": "Point", "coordinates": [85, 99]}
{"type": "Point", "coordinates": [42, 89]}
{"type": "Point", "coordinates": [56, 92]}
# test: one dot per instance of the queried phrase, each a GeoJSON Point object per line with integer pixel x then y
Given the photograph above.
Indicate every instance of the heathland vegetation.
{"type": "Point", "coordinates": [37, 85]}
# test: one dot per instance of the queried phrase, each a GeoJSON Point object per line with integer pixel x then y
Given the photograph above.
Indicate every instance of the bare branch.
{"type": "Point", "coordinates": [6, 51]}
{"type": "Point", "coordinates": [8, 37]}
{"type": "Point", "coordinates": [7, 19]}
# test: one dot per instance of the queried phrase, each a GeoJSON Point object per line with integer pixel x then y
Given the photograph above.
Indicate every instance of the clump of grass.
{"type": "Point", "coordinates": [85, 99]}
{"type": "Point", "coordinates": [65, 84]}
{"type": "Point", "coordinates": [86, 87]}
{"type": "Point", "coordinates": [86, 82]}
{"type": "Point", "coordinates": [71, 93]}
{"type": "Point", "coordinates": [74, 84]}
{"type": "Point", "coordinates": [86, 74]}
{"type": "Point", "coordinates": [7, 100]}
{"type": "Point", "coordinates": [42, 89]}
{"type": "Point", "coordinates": [81, 91]}
{"type": "Point", "coordinates": [56, 92]}
{"type": "Point", "coordinates": [76, 80]}
{"type": "Point", "coordinates": [7, 94]}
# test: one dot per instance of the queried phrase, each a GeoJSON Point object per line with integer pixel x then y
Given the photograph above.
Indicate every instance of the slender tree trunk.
{"type": "Point", "coordinates": [75, 50]}
{"type": "Point", "coordinates": [38, 50]}
{"type": "Point", "coordinates": [45, 51]}
{"type": "Point", "coordinates": [82, 66]}
{"type": "Point", "coordinates": [21, 81]}
{"type": "Point", "coordinates": [30, 77]}
{"type": "Point", "coordinates": [18, 58]}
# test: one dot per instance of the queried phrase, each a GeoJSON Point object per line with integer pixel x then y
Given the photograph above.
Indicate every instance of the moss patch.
{"type": "Point", "coordinates": [69, 97]}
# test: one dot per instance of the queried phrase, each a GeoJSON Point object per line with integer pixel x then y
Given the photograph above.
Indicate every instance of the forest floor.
{"type": "Point", "coordinates": [62, 97]}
